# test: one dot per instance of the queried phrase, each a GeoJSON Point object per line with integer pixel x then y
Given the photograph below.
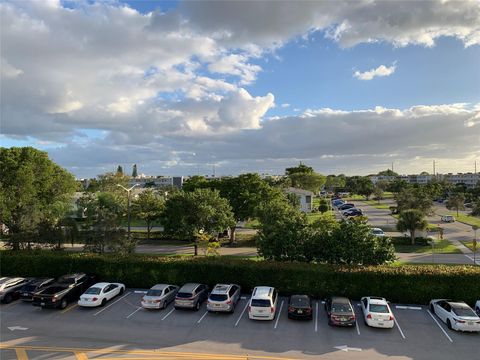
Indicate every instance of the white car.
{"type": "Point", "coordinates": [448, 218]}
{"type": "Point", "coordinates": [100, 293]}
{"type": "Point", "coordinates": [456, 314]}
{"type": "Point", "coordinates": [377, 312]}
{"type": "Point", "coordinates": [263, 304]}
{"type": "Point", "coordinates": [477, 307]}
{"type": "Point", "coordinates": [378, 232]}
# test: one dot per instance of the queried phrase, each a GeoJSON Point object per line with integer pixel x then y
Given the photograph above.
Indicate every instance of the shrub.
{"type": "Point", "coordinates": [405, 284]}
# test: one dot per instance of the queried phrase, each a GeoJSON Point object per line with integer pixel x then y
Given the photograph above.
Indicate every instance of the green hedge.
{"type": "Point", "coordinates": [402, 284]}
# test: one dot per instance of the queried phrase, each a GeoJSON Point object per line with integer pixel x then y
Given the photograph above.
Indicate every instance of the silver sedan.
{"type": "Point", "coordinates": [159, 296]}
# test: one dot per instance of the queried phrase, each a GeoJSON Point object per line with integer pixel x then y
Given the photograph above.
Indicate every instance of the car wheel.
{"type": "Point", "coordinates": [449, 324]}
{"type": "Point", "coordinates": [63, 304]}
{"type": "Point", "coordinates": [164, 305]}
{"type": "Point", "coordinates": [432, 308]}
{"type": "Point", "coordinates": [104, 301]}
{"type": "Point", "coordinates": [8, 299]}
{"type": "Point", "coordinates": [197, 306]}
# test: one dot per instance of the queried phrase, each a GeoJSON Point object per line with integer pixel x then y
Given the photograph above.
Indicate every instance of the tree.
{"type": "Point", "coordinates": [378, 193]}
{"type": "Point", "coordinates": [195, 182]}
{"type": "Point", "coordinates": [119, 170]}
{"type": "Point", "coordinates": [202, 211]}
{"type": "Point", "coordinates": [102, 228]}
{"type": "Point", "coordinates": [134, 171]}
{"type": "Point", "coordinates": [397, 186]}
{"type": "Point", "coordinates": [293, 200]}
{"type": "Point", "coordinates": [148, 207]}
{"type": "Point", "coordinates": [300, 169]}
{"type": "Point", "coordinates": [364, 186]}
{"type": "Point", "coordinates": [308, 181]}
{"type": "Point", "coordinates": [456, 202]}
{"type": "Point", "coordinates": [324, 206]}
{"type": "Point", "coordinates": [414, 198]}
{"type": "Point", "coordinates": [283, 232]}
{"type": "Point", "coordinates": [109, 182]}
{"type": "Point", "coordinates": [33, 189]}
{"type": "Point", "coordinates": [411, 220]}
{"type": "Point", "coordinates": [388, 172]}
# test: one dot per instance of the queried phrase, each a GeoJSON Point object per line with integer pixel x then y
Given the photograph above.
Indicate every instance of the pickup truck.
{"type": "Point", "coordinates": [68, 288]}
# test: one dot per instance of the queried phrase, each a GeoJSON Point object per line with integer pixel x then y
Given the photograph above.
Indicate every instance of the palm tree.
{"type": "Point", "coordinates": [412, 220]}
{"type": "Point", "coordinates": [455, 202]}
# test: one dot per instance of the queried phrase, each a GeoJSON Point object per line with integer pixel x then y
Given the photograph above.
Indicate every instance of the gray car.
{"type": "Point", "coordinates": [159, 296]}
{"type": "Point", "coordinates": [191, 296]}
{"type": "Point", "coordinates": [10, 288]}
{"type": "Point", "coordinates": [224, 297]}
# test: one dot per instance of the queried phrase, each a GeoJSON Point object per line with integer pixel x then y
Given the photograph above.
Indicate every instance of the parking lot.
{"type": "Point", "coordinates": [122, 329]}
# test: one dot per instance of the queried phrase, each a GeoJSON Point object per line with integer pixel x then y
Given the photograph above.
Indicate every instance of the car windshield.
{"type": "Point", "coordinates": [29, 288]}
{"type": "Point", "coordinates": [93, 291]}
{"type": "Point", "coordinates": [184, 295]}
{"type": "Point", "coordinates": [218, 297]}
{"type": "Point", "coordinates": [260, 303]}
{"type": "Point", "coordinates": [154, 292]}
{"type": "Point", "coordinates": [66, 280]}
{"type": "Point", "coordinates": [379, 308]}
{"type": "Point", "coordinates": [341, 308]}
{"type": "Point", "coordinates": [464, 312]}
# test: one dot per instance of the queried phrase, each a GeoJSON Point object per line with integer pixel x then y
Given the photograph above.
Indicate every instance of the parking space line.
{"type": "Point", "coordinates": [245, 308]}
{"type": "Point", "coordinates": [441, 328]}
{"type": "Point", "coordinates": [356, 325]}
{"type": "Point", "coordinates": [279, 314]}
{"type": "Point", "coordinates": [408, 307]}
{"type": "Point", "coordinates": [199, 320]}
{"type": "Point", "coordinates": [316, 316]}
{"type": "Point", "coordinates": [399, 328]}
{"type": "Point", "coordinates": [21, 354]}
{"type": "Point", "coordinates": [171, 311]}
{"type": "Point", "coordinates": [138, 308]}
{"type": "Point", "coordinates": [80, 356]}
{"type": "Point", "coordinates": [69, 308]}
{"type": "Point", "coordinates": [106, 307]}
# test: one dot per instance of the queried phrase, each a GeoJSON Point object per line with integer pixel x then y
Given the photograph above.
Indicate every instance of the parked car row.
{"type": "Point", "coordinates": [376, 311]}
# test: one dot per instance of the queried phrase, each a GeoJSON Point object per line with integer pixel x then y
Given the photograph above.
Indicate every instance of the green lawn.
{"type": "Point", "coordinates": [467, 219]}
{"type": "Point", "coordinates": [469, 244]}
{"type": "Point", "coordinates": [402, 245]}
{"type": "Point", "coordinates": [314, 216]}
{"type": "Point", "coordinates": [252, 224]}
{"type": "Point", "coordinates": [376, 205]}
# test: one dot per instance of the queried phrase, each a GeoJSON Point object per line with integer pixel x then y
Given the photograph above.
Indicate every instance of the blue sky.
{"type": "Point", "coordinates": [229, 84]}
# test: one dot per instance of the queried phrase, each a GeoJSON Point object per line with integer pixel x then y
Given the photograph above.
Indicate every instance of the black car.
{"type": "Point", "coordinates": [354, 212]}
{"type": "Point", "coordinates": [300, 307]}
{"type": "Point", "coordinates": [340, 311]}
{"type": "Point", "coordinates": [346, 206]}
{"type": "Point", "coordinates": [34, 285]}
{"type": "Point", "coordinates": [66, 289]}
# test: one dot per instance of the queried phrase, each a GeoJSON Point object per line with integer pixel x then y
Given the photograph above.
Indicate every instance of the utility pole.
{"type": "Point", "coordinates": [128, 207]}
{"type": "Point", "coordinates": [434, 173]}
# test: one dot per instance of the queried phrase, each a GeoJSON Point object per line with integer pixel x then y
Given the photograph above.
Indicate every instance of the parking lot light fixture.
{"type": "Point", "coordinates": [128, 207]}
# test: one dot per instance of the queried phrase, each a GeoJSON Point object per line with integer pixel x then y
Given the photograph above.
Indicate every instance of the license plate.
{"type": "Point", "coordinates": [42, 304]}
{"type": "Point", "coordinates": [25, 294]}
{"type": "Point", "coordinates": [343, 319]}
{"type": "Point", "coordinates": [380, 323]}
{"type": "Point", "coordinates": [260, 311]}
{"type": "Point", "coordinates": [217, 305]}
{"type": "Point", "coordinates": [470, 323]}
{"type": "Point", "coordinates": [300, 311]}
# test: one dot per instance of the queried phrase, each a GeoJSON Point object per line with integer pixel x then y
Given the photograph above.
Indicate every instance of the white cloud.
{"type": "Point", "coordinates": [285, 105]}
{"type": "Point", "coordinates": [380, 71]}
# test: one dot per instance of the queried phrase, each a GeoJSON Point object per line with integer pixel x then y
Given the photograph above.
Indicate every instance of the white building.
{"type": "Point", "coordinates": [157, 181]}
{"type": "Point", "coordinates": [305, 197]}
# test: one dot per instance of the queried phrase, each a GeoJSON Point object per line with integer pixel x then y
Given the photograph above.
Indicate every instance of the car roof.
{"type": "Point", "coordinates": [300, 298]}
{"type": "Point", "coordinates": [101, 284]}
{"type": "Point", "coordinates": [458, 304]}
{"type": "Point", "coordinates": [377, 229]}
{"type": "Point", "coordinates": [262, 292]}
{"type": "Point", "coordinates": [159, 286]}
{"type": "Point", "coordinates": [9, 280]}
{"type": "Point", "coordinates": [377, 300]}
{"type": "Point", "coordinates": [39, 281]}
{"type": "Point", "coordinates": [340, 300]}
{"type": "Point", "coordinates": [189, 287]}
{"type": "Point", "coordinates": [221, 288]}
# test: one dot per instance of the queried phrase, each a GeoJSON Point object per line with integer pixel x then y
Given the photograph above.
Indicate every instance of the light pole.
{"type": "Point", "coordinates": [128, 205]}
{"type": "Point", "coordinates": [475, 228]}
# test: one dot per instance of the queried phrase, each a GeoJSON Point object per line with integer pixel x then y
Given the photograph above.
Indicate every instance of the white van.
{"type": "Point", "coordinates": [448, 218]}
{"type": "Point", "coordinates": [263, 304]}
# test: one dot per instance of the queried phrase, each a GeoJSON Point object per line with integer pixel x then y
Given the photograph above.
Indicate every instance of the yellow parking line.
{"type": "Point", "coordinates": [21, 354]}
{"type": "Point", "coordinates": [80, 356]}
{"type": "Point", "coordinates": [155, 353]}
{"type": "Point", "coordinates": [69, 308]}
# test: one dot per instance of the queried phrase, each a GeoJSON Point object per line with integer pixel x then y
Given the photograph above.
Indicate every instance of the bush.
{"type": "Point", "coordinates": [405, 284]}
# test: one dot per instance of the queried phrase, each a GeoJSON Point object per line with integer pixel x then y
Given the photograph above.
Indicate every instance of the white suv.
{"type": "Point", "coordinates": [377, 313]}
{"type": "Point", "coordinates": [263, 304]}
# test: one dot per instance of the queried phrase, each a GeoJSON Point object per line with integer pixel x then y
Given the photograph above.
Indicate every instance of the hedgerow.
{"type": "Point", "coordinates": [402, 284]}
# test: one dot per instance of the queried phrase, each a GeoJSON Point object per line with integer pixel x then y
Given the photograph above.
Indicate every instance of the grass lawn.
{"type": "Point", "coordinates": [403, 245]}
{"type": "Point", "coordinates": [469, 244]}
{"type": "Point", "coordinates": [314, 216]}
{"type": "Point", "coordinates": [467, 219]}
{"type": "Point", "coordinates": [377, 205]}
{"type": "Point", "coordinates": [252, 224]}
{"type": "Point", "coordinates": [242, 240]}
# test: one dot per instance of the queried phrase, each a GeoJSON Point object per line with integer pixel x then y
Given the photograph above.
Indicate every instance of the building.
{"type": "Point", "coordinates": [156, 181]}
{"type": "Point", "coordinates": [305, 197]}
{"type": "Point", "coordinates": [469, 179]}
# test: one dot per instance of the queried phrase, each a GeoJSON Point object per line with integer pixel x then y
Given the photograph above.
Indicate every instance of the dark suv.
{"type": "Point", "coordinates": [35, 285]}
{"type": "Point", "coordinates": [191, 296]}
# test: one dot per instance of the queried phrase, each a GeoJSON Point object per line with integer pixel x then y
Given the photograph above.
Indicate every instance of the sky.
{"type": "Point", "coordinates": [196, 87]}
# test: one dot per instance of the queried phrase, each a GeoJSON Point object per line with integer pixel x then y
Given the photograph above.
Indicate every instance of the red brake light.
{"type": "Point", "coordinates": [291, 309]}
{"type": "Point", "coordinates": [272, 310]}
{"type": "Point", "coordinates": [94, 299]}
{"type": "Point", "coordinates": [369, 316]}
{"type": "Point", "coordinates": [229, 302]}
{"type": "Point", "coordinates": [391, 317]}
{"type": "Point", "coordinates": [460, 321]}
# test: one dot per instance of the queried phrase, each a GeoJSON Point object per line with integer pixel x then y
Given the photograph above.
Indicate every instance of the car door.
{"type": "Point", "coordinates": [173, 293]}
{"type": "Point", "coordinates": [113, 291]}
{"type": "Point", "coordinates": [328, 306]}
{"type": "Point", "coordinates": [441, 311]}
{"type": "Point", "coordinates": [447, 312]}
{"type": "Point", "coordinates": [364, 303]}
{"type": "Point", "coordinates": [105, 293]}
{"type": "Point", "coordinates": [165, 295]}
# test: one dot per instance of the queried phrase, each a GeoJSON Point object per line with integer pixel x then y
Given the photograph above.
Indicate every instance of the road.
{"type": "Point", "coordinates": [123, 330]}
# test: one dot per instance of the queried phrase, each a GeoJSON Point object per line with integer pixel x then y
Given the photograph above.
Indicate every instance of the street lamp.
{"type": "Point", "coordinates": [475, 228]}
{"type": "Point", "coordinates": [128, 206]}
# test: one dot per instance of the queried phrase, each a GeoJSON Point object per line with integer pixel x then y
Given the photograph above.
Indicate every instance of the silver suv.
{"type": "Point", "coordinates": [191, 296]}
{"type": "Point", "coordinates": [224, 297]}
{"type": "Point", "coordinates": [10, 288]}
